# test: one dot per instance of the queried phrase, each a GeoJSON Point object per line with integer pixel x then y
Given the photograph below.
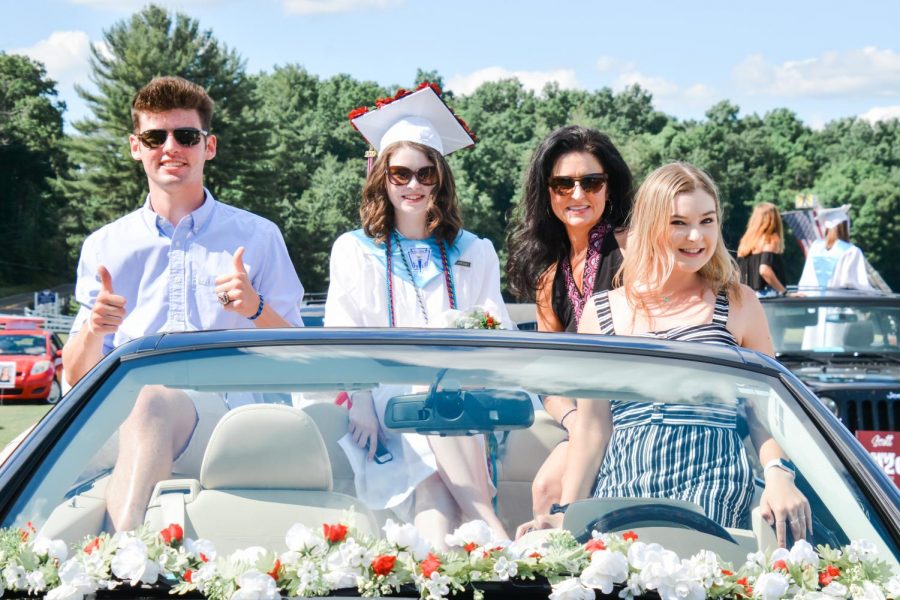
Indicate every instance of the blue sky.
{"type": "Point", "coordinates": [822, 59]}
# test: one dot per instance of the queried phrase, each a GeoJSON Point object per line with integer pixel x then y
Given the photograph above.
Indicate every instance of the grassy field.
{"type": "Point", "coordinates": [16, 417]}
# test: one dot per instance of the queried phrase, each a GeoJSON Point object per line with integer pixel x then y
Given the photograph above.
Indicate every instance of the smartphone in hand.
{"type": "Point", "coordinates": [382, 454]}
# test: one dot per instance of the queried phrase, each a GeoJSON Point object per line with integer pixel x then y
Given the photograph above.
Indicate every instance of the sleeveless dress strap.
{"type": "Point", "coordinates": [604, 314]}
{"type": "Point", "coordinates": [720, 312]}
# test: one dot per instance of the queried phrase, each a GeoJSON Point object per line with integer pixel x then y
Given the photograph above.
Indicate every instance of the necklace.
{"type": "Point", "coordinates": [448, 278]}
{"type": "Point", "coordinates": [591, 266]}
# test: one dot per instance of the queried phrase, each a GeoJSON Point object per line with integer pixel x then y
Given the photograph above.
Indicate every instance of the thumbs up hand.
{"type": "Point", "coordinates": [235, 291]}
{"type": "Point", "coordinates": [109, 308]}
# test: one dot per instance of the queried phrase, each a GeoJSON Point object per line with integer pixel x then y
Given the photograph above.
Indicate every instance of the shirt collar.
{"type": "Point", "coordinates": [197, 219]}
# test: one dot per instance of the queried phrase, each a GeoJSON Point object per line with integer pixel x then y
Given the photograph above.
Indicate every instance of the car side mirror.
{"type": "Point", "coordinates": [459, 411]}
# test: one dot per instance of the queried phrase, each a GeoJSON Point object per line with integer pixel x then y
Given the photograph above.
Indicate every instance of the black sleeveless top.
{"type": "Point", "coordinates": [750, 264]}
{"type": "Point", "coordinates": [610, 261]}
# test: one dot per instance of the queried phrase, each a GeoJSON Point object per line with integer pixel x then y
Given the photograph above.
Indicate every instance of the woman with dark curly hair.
{"type": "Point", "coordinates": [565, 246]}
{"type": "Point", "coordinates": [409, 264]}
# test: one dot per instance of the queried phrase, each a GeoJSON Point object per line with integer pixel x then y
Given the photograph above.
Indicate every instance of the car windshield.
{"type": "Point", "coordinates": [29, 345]}
{"type": "Point", "coordinates": [282, 454]}
{"type": "Point", "coordinates": [827, 326]}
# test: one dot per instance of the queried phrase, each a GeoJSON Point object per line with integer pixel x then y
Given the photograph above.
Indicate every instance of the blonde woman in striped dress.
{"type": "Point", "coordinates": [679, 283]}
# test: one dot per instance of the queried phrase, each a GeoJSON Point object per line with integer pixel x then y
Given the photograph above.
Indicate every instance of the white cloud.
{"type": "Point", "coordinates": [605, 63]}
{"type": "Point", "coordinates": [65, 54]}
{"type": "Point", "coordinates": [668, 95]}
{"type": "Point", "coordinates": [135, 5]}
{"type": "Point", "coordinates": [881, 113]}
{"type": "Point", "coordinates": [319, 7]}
{"type": "Point", "coordinates": [531, 80]}
{"type": "Point", "coordinates": [861, 72]}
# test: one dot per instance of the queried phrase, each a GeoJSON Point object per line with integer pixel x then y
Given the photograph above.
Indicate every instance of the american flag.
{"type": "Point", "coordinates": [809, 225]}
{"type": "Point", "coordinates": [804, 225]}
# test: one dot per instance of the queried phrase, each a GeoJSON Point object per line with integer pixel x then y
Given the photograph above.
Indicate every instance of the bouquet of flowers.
{"type": "Point", "coordinates": [476, 317]}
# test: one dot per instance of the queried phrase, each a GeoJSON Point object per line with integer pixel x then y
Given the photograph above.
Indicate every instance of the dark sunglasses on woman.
{"type": "Point", "coordinates": [403, 175]}
{"type": "Point", "coordinates": [185, 136]}
{"type": "Point", "coordinates": [590, 184]}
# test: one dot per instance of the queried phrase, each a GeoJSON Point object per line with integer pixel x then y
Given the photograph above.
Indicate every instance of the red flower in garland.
{"type": "Point", "coordinates": [203, 557]}
{"type": "Point", "coordinates": [630, 536]}
{"type": "Point", "coordinates": [384, 564]}
{"type": "Point", "coordinates": [727, 573]}
{"type": "Point", "coordinates": [535, 555]}
{"type": "Point", "coordinates": [780, 565]}
{"type": "Point", "coordinates": [470, 546]}
{"type": "Point", "coordinates": [188, 576]}
{"type": "Point", "coordinates": [594, 545]}
{"type": "Point", "coordinates": [172, 534]}
{"type": "Point", "coordinates": [747, 589]}
{"type": "Point", "coordinates": [276, 570]}
{"type": "Point", "coordinates": [335, 533]}
{"type": "Point", "coordinates": [92, 545]}
{"type": "Point", "coordinates": [431, 564]}
{"type": "Point", "coordinates": [829, 574]}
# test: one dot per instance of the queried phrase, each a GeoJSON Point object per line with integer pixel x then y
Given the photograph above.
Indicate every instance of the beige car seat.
{"type": "Point", "coordinates": [521, 456]}
{"type": "Point", "coordinates": [266, 468]}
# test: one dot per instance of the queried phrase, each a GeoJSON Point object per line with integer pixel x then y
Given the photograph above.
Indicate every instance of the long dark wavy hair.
{"type": "Point", "coordinates": [443, 219]}
{"type": "Point", "coordinates": [538, 239]}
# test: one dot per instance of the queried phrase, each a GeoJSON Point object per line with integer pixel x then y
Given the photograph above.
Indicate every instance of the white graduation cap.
{"type": "Point", "coordinates": [420, 117]}
{"type": "Point", "coordinates": [831, 218]}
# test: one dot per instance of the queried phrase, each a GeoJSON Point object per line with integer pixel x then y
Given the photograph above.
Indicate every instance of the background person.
{"type": "Point", "coordinates": [759, 255]}
{"type": "Point", "coordinates": [565, 245]}
{"type": "Point", "coordinates": [181, 262]}
{"type": "Point", "coordinates": [834, 262]}
{"type": "Point", "coordinates": [679, 283]}
{"type": "Point", "coordinates": [410, 263]}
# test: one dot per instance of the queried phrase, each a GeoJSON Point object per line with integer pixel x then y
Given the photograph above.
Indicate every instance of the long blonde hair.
{"type": "Point", "coordinates": [649, 261]}
{"type": "Point", "coordinates": [763, 228]}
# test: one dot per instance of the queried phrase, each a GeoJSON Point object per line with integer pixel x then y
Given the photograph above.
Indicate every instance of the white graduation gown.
{"type": "Point", "coordinates": [357, 297]}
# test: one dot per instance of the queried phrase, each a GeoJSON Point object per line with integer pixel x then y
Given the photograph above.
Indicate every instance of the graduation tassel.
{"type": "Point", "coordinates": [370, 160]}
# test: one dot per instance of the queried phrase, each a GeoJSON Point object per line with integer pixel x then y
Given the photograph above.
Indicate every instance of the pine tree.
{"type": "Point", "coordinates": [31, 158]}
{"type": "Point", "coordinates": [105, 182]}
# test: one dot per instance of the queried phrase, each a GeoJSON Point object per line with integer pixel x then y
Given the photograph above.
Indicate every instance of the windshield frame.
{"type": "Point", "coordinates": [873, 484]}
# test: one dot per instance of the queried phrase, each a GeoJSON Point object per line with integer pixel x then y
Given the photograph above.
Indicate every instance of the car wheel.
{"type": "Point", "coordinates": [55, 392]}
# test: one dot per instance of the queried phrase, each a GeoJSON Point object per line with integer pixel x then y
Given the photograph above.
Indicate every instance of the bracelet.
{"type": "Point", "coordinates": [259, 310]}
{"type": "Point", "coordinates": [562, 421]}
{"type": "Point", "coordinates": [556, 509]}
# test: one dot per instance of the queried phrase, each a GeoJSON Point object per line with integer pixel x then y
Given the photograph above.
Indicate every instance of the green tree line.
{"type": "Point", "coordinates": [287, 152]}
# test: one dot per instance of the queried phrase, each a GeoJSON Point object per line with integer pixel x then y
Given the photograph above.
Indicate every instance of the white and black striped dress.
{"type": "Point", "coordinates": [682, 451]}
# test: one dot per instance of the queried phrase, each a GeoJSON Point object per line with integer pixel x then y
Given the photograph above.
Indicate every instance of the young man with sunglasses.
{"type": "Point", "coordinates": [181, 262]}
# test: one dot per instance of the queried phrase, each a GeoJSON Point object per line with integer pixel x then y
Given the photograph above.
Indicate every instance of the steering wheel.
{"type": "Point", "coordinates": [654, 514]}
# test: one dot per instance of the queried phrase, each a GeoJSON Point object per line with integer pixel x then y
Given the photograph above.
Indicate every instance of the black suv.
{"type": "Point", "coordinates": [844, 345]}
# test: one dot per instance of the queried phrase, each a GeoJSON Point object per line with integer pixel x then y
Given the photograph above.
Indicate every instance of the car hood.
{"type": "Point", "coordinates": [867, 373]}
{"type": "Point", "coordinates": [22, 360]}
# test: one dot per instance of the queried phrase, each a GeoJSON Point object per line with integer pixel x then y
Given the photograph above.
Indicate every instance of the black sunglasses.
{"type": "Point", "coordinates": [590, 184]}
{"type": "Point", "coordinates": [403, 175]}
{"type": "Point", "coordinates": [185, 136]}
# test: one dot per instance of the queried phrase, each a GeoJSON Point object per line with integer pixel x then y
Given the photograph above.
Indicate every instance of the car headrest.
{"type": "Point", "coordinates": [266, 446]}
{"type": "Point", "coordinates": [860, 334]}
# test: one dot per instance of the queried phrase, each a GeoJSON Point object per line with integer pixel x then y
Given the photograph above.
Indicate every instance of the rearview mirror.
{"type": "Point", "coordinates": [459, 411]}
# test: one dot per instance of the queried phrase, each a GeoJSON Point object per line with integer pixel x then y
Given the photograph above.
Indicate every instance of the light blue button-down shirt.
{"type": "Point", "coordinates": [167, 273]}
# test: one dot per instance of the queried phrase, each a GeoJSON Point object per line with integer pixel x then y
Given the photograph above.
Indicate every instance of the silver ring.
{"type": "Point", "coordinates": [223, 298]}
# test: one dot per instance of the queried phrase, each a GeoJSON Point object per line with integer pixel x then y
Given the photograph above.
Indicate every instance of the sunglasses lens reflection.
{"type": "Point", "coordinates": [590, 184]}
{"type": "Point", "coordinates": [186, 136]}
{"type": "Point", "coordinates": [403, 175]}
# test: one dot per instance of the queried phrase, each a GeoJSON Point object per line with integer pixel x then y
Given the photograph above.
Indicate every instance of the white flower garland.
{"type": "Point", "coordinates": [318, 562]}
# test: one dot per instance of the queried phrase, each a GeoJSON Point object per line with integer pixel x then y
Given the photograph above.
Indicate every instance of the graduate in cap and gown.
{"type": "Point", "coordinates": [410, 265]}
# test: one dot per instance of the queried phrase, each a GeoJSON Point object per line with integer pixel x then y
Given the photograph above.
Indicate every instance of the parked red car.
{"type": "Point", "coordinates": [30, 361]}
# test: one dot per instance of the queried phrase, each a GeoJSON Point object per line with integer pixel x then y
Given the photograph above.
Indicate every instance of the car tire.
{"type": "Point", "coordinates": [55, 392]}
